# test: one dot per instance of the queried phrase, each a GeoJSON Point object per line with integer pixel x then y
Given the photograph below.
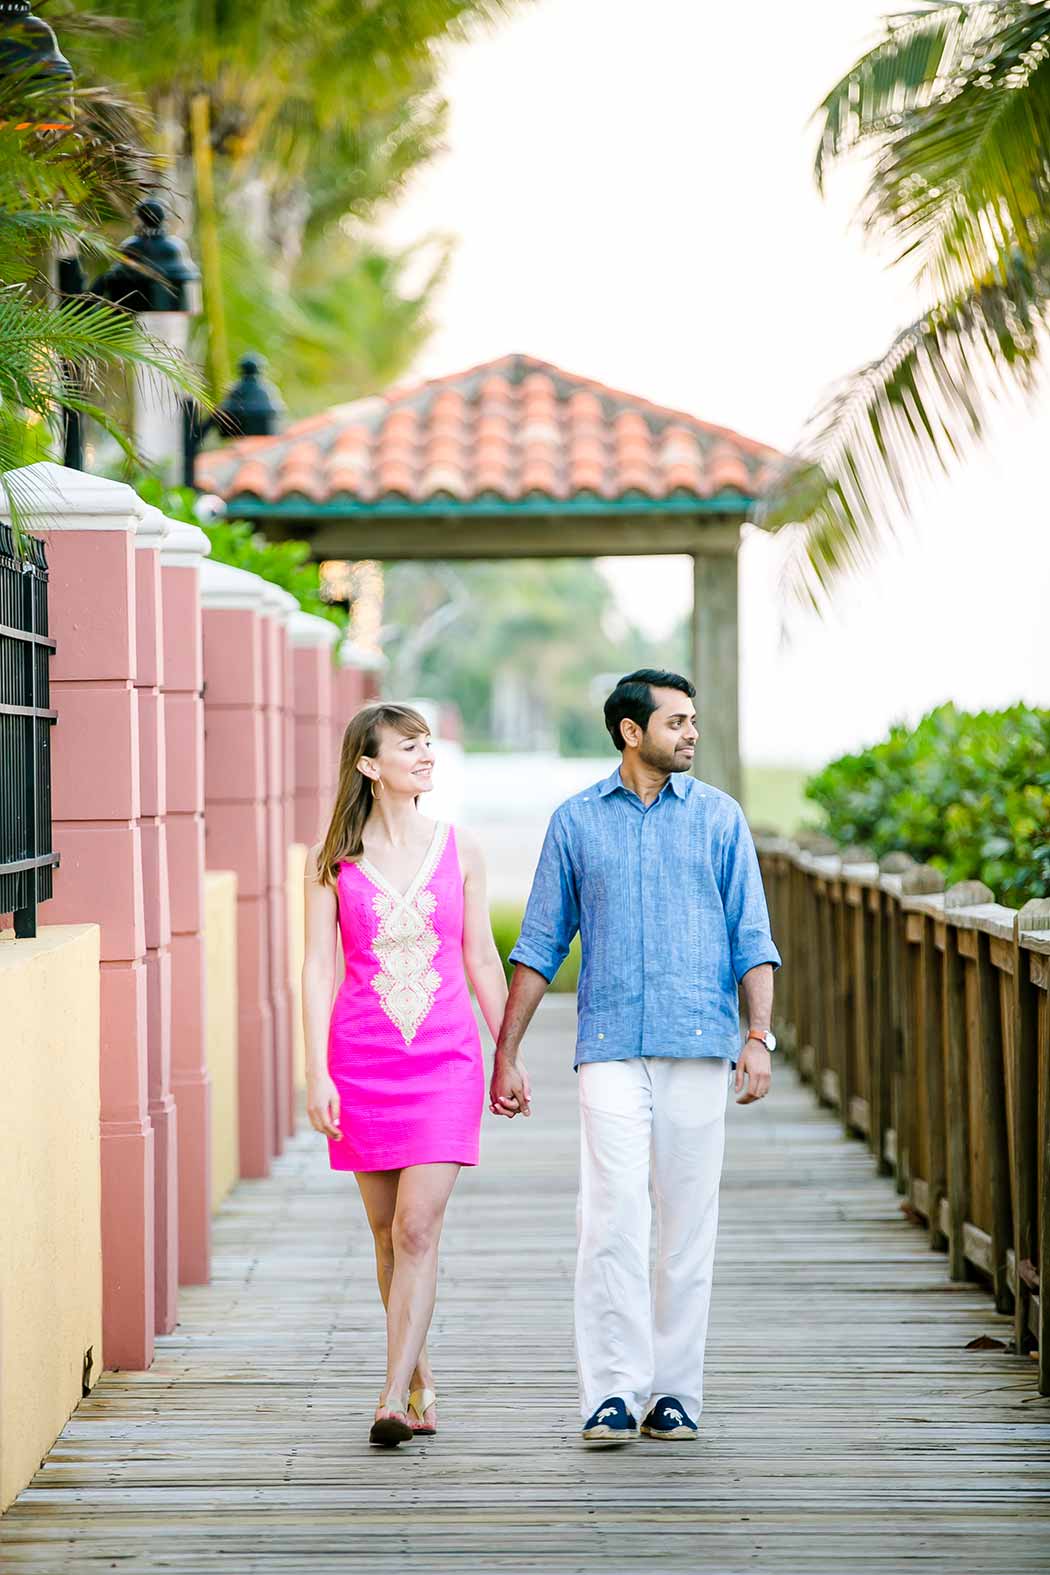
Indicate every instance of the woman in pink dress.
{"type": "Point", "coordinates": [395, 1077]}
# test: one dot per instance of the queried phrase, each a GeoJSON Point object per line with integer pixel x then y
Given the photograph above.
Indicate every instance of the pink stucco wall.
{"type": "Point", "coordinates": [181, 556]}
{"type": "Point", "coordinates": [235, 789]}
{"type": "Point", "coordinates": [89, 525]}
{"type": "Point", "coordinates": [149, 677]}
{"type": "Point", "coordinates": [313, 691]}
{"type": "Point", "coordinates": [274, 650]}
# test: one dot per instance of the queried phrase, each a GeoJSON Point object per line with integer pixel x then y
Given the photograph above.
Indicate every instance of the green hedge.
{"type": "Point", "coordinates": [506, 926]}
{"type": "Point", "coordinates": [967, 792]}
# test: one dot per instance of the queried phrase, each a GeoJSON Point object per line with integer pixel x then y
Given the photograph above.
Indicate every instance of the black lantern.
{"type": "Point", "coordinates": [29, 52]}
{"type": "Point", "coordinates": [252, 408]}
{"type": "Point", "coordinates": [159, 276]}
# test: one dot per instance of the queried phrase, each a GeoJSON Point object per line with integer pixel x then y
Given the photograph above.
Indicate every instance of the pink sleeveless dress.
{"type": "Point", "coordinates": [403, 1045]}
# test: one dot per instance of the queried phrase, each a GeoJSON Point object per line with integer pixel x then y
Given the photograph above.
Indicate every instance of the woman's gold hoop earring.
{"type": "Point", "coordinates": [374, 793]}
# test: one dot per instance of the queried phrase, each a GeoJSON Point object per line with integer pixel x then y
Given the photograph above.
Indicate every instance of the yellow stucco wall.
{"type": "Point", "coordinates": [50, 1192]}
{"type": "Point", "coordinates": [296, 868]}
{"type": "Point", "coordinates": [220, 953]}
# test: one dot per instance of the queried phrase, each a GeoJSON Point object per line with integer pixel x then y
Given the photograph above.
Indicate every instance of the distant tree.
{"type": "Point", "coordinates": [952, 110]}
{"type": "Point", "coordinates": [552, 629]}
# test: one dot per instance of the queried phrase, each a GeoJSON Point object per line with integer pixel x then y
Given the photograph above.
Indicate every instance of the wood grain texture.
{"type": "Point", "coordinates": [846, 1427]}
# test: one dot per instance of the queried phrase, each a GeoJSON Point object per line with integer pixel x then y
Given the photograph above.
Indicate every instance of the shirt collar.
{"type": "Point", "coordinates": [676, 779]}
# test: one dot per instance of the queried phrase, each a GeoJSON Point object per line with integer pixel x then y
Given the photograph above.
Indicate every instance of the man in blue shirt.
{"type": "Point", "coordinates": [658, 873]}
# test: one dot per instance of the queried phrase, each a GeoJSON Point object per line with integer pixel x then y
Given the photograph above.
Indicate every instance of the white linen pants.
{"type": "Point", "coordinates": [659, 1119]}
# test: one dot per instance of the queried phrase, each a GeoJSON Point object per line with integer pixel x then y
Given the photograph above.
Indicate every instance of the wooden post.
{"type": "Point", "coordinates": [919, 881]}
{"type": "Point", "coordinates": [716, 667]}
{"type": "Point", "coordinates": [1033, 916]}
{"type": "Point", "coordinates": [881, 1116]}
{"type": "Point", "coordinates": [933, 1053]}
{"type": "Point", "coordinates": [995, 1135]}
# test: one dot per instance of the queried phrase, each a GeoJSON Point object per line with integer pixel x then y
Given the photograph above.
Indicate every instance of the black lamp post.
{"type": "Point", "coordinates": [251, 408]}
{"type": "Point", "coordinates": [29, 52]}
{"type": "Point", "coordinates": [157, 279]}
{"type": "Point", "coordinates": [159, 274]}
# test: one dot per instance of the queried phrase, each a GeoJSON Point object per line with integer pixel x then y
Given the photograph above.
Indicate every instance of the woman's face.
{"type": "Point", "coordinates": [404, 765]}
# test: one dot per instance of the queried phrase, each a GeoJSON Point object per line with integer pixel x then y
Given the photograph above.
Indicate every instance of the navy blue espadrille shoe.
{"type": "Point", "coordinates": [611, 1424]}
{"type": "Point", "coordinates": [669, 1419]}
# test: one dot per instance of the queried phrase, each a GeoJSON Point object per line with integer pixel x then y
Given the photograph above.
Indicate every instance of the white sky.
{"type": "Point", "coordinates": [629, 184]}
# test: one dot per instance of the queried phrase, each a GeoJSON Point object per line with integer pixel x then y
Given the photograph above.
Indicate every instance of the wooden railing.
{"type": "Point", "coordinates": [923, 1016]}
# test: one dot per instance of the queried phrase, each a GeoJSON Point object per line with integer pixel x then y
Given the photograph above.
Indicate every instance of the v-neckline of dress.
{"type": "Point", "coordinates": [435, 848]}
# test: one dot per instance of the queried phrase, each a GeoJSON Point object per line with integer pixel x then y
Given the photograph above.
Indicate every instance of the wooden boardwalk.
{"type": "Point", "coordinates": [847, 1426]}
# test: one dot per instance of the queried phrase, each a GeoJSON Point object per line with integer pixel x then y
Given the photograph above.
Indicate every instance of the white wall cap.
{"type": "Point", "coordinates": [152, 528]}
{"type": "Point", "coordinates": [272, 595]}
{"type": "Point", "coordinates": [308, 630]}
{"type": "Point", "coordinates": [351, 655]}
{"type": "Point", "coordinates": [280, 604]}
{"type": "Point", "coordinates": [184, 546]}
{"type": "Point", "coordinates": [52, 497]}
{"type": "Point", "coordinates": [223, 586]}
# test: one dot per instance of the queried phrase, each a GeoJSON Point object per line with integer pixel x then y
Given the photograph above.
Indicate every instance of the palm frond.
{"type": "Point", "coordinates": [965, 182]}
{"type": "Point", "coordinates": [902, 72]}
{"type": "Point", "coordinates": [919, 406]}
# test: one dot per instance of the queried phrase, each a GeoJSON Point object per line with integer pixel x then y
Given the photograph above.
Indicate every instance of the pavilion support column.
{"type": "Point", "coordinates": [716, 666]}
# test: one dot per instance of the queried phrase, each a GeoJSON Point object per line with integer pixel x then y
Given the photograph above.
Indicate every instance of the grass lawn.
{"type": "Point", "coordinates": [773, 797]}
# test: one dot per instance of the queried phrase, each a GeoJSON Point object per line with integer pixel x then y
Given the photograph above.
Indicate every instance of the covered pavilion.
{"type": "Point", "coordinates": [519, 459]}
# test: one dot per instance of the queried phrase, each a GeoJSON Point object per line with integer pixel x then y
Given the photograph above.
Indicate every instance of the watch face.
{"type": "Point", "coordinates": [771, 1041]}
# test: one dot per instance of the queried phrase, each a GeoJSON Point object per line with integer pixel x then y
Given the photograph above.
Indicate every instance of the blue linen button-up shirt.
{"type": "Point", "coordinates": [669, 904]}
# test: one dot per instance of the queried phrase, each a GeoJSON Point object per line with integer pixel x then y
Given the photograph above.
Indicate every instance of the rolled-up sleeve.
{"type": "Point", "coordinates": [744, 900]}
{"type": "Point", "coordinates": [552, 915]}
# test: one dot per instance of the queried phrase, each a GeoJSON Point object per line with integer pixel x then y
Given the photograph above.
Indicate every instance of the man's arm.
{"type": "Point", "coordinates": [754, 955]}
{"type": "Point", "coordinates": [509, 1090]}
{"type": "Point", "coordinates": [754, 1061]}
{"type": "Point", "coordinates": [552, 918]}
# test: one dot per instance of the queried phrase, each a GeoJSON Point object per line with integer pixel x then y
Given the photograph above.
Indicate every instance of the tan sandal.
{"type": "Point", "coordinates": [419, 1403]}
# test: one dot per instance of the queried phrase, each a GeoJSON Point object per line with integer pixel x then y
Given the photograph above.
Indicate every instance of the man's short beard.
{"type": "Point", "coordinates": [670, 762]}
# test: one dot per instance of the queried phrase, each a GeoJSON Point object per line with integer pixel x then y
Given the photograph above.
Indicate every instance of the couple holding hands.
{"type": "Point", "coordinates": [657, 872]}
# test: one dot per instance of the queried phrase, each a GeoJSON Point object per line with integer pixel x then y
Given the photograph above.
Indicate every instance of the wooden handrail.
{"type": "Point", "coordinates": [923, 1016]}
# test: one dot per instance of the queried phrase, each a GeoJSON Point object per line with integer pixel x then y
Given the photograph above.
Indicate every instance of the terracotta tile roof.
{"type": "Point", "coordinates": [512, 430]}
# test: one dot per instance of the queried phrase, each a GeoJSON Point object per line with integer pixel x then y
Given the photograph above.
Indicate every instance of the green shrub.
{"type": "Point", "coordinates": [506, 927]}
{"type": "Point", "coordinates": [966, 791]}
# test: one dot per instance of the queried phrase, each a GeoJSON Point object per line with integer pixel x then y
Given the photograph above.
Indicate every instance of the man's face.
{"type": "Point", "coordinates": [669, 742]}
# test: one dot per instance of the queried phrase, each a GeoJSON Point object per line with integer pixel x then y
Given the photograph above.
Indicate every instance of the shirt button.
{"type": "Point", "coordinates": [699, 1031]}
{"type": "Point", "coordinates": [601, 1036]}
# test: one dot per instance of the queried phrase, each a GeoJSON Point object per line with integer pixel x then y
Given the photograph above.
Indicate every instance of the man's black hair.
{"type": "Point", "coordinates": [632, 699]}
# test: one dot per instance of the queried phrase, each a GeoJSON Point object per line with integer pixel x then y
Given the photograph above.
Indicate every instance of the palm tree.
{"type": "Point", "coordinates": [59, 190]}
{"type": "Point", "coordinates": [952, 106]}
{"type": "Point", "coordinates": [283, 123]}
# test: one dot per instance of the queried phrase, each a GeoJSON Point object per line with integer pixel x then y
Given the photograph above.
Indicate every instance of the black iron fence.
{"type": "Point", "coordinates": [26, 856]}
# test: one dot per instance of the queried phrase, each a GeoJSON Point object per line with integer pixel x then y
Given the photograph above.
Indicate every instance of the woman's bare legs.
{"type": "Point", "coordinates": [379, 1194]}
{"type": "Point", "coordinates": [406, 1210]}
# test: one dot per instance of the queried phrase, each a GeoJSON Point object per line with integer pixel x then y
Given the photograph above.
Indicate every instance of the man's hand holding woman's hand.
{"type": "Point", "coordinates": [509, 1091]}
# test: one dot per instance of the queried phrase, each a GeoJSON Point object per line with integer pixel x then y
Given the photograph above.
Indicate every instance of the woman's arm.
{"type": "Point", "coordinates": [480, 956]}
{"type": "Point", "coordinates": [322, 1096]}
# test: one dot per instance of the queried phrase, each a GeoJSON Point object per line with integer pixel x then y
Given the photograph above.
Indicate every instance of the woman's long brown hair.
{"type": "Point", "coordinates": [353, 796]}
